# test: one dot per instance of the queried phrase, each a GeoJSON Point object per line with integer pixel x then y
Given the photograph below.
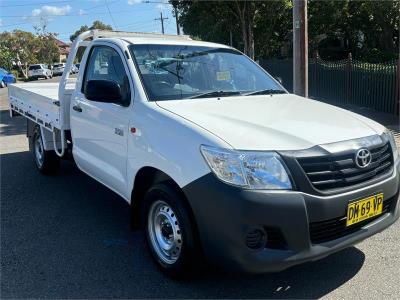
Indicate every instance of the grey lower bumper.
{"type": "Point", "coordinates": [225, 215]}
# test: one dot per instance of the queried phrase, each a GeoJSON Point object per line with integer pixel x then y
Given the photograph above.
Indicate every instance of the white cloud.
{"type": "Point", "coordinates": [133, 2]}
{"type": "Point", "coordinates": [81, 12]}
{"type": "Point", "coordinates": [1, 22]}
{"type": "Point", "coordinates": [51, 11]}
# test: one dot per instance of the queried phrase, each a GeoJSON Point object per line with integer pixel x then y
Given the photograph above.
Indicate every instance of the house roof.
{"type": "Point", "coordinates": [62, 47]}
{"type": "Point", "coordinates": [60, 44]}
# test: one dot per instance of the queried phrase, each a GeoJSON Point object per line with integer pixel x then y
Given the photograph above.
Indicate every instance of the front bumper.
{"type": "Point", "coordinates": [226, 214]}
{"type": "Point", "coordinates": [37, 76]}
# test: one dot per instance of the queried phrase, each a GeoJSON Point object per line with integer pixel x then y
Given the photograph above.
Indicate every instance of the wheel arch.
{"type": "Point", "coordinates": [144, 179]}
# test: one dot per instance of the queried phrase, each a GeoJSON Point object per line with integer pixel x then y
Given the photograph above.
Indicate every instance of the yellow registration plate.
{"type": "Point", "coordinates": [364, 209]}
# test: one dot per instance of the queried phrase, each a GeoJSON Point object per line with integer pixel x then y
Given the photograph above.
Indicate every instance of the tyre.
{"type": "Point", "coordinates": [170, 233]}
{"type": "Point", "coordinates": [2, 84]}
{"type": "Point", "coordinates": [47, 162]}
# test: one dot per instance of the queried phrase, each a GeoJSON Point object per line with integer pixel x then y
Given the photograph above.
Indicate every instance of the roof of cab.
{"type": "Point", "coordinates": [153, 38]}
{"type": "Point", "coordinates": [171, 40]}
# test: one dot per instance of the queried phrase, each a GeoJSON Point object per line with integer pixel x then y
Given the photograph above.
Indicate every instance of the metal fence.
{"type": "Point", "coordinates": [346, 82]}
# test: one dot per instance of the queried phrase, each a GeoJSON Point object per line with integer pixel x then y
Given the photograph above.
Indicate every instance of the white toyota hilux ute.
{"type": "Point", "coordinates": [218, 161]}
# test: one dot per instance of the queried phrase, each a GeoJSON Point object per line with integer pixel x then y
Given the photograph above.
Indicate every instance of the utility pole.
{"type": "Point", "coordinates": [178, 30]}
{"type": "Point", "coordinates": [300, 48]}
{"type": "Point", "coordinates": [162, 22]}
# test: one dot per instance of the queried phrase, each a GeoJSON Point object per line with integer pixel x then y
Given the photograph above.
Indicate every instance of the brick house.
{"type": "Point", "coordinates": [64, 50]}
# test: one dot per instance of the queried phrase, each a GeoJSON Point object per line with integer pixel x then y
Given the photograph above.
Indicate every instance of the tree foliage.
{"type": "Point", "coordinates": [6, 57]}
{"type": "Point", "coordinates": [219, 20]}
{"type": "Point", "coordinates": [22, 48]}
{"type": "Point", "coordinates": [264, 28]}
{"type": "Point", "coordinates": [96, 25]}
{"type": "Point", "coordinates": [47, 51]}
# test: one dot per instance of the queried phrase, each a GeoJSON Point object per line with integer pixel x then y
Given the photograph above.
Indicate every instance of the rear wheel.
{"type": "Point", "coordinates": [2, 84]}
{"type": "Point", "coordinates": [169, 230]}
{"type": "Point", "coordinates": [47, 162]}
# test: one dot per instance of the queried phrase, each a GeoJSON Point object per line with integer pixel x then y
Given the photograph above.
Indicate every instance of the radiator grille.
{"type": "Point", "coordinates": [339, 171]}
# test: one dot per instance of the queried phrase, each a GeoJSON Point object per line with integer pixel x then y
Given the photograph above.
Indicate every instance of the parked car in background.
{"type": "Point", "coordinates": [74, 69]}
{"type": "Point", "coordinates": [58, 69]}
{"type": "Point", "coordinates": [6, 78]}
{"type": "Point", "coordinates": [39, 71]}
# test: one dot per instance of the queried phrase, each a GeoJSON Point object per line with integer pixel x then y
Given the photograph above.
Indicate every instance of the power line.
{"type": "Point", "coordinates": [159, 2]}
{"type": "Point", "coordinates": [68, 15]}
{"type": "Point", "coordinates": [178, 31]}
{"type": "Point", "coordinates": [14, 24]}
{"type": "Point", "coordinates": [84, 8]}
{"type": "Point", "coordinates": [162, 21]}
{"type": "Point", "coordinates": [111, 16]}
{"type": "Point", "coordinates": [35, 4]}
{"type": "Point", "coordinates": [137, 23]}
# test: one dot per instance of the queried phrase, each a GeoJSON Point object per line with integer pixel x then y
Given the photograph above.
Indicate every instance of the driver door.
{"type": "Point", "coordinates": [100, 128]}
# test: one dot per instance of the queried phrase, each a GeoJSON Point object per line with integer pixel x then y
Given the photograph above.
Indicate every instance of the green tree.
{"type": "Point", "coordinates": [251, 22]}
{"type": "Point", "coordinates": [273, 26]}
{"type": "Point", "coordinates": [96, 25]}
{"type": "Point", "coordinates": [214, 20]}
{"type": "Point", "coordinates": [6, 57]}
{"type": "Point", "coordinates": [368, 29]}
{"type": "Point", "coordinates": [23, 48]}
{"type": "Point", "coordinates": [378, 22]}
{"type": "Point", "coordinates": [47, 51]}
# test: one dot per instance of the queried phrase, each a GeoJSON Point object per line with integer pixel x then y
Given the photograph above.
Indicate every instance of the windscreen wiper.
{"type": "Point", "coordinates": [265, 92]}
{"type": "Point", "coordinates": [216, 94]}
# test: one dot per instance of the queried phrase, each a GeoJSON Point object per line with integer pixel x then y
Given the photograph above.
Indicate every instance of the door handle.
{"type": "Point", "coordinates": [77, 108]}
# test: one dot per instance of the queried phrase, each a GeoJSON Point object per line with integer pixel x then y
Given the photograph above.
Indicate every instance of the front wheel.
{"type": "Point", "coordinates": [47, 162]}
{"type": "Point", "coordinates": [170, 233]}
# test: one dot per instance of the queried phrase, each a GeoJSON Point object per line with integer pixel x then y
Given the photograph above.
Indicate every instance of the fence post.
{"type": "Point", "coordinates": [397, 91]}
{"type": "Point", "coordinates": [315, 73]}
{"type": "Point", "coordinates": [348, 77]}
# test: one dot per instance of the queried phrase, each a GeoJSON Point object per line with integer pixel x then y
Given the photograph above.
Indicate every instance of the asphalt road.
{"type": "Point", "coordinates": [67, 236]}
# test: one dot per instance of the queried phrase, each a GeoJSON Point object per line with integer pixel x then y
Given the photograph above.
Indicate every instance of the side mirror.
{"type": "Point", "coordinates": [103, 91]}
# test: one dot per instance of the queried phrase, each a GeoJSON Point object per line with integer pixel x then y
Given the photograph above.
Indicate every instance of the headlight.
{"type": "Point", "coordinates": [392, 144]}
{"type": "Point", "coordinates": [254, 170]}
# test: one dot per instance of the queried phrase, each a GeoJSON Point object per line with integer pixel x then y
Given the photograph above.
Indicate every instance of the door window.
{"type": "Point", "coordinates": [105, 64]}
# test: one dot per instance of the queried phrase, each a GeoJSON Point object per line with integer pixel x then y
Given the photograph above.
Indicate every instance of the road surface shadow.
{"type": "Point", "coordinates": [67, 236]}
{"type": "Point", "coordinates": [11, 126]}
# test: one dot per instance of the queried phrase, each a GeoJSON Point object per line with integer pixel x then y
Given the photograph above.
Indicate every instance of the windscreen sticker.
{"type": "Point", "coordinates": [223, 76]}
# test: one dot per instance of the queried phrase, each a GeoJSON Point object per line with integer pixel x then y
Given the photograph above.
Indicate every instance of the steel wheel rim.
{"type": "Point", "coordinates": [39, 151]}
{"type": "Point", "coordinates": [164, 232]}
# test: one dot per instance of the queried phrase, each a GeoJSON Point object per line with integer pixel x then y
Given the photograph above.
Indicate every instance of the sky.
{"type": "Point", "coordinates": [64, 17]}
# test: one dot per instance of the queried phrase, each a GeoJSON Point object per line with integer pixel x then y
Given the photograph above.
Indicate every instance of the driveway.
{"type": "Point", "coordinates": [67, 236]}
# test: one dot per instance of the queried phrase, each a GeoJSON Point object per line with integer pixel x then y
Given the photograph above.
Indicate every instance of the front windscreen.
{"type": "Point", "coordinates": [173, 72]}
